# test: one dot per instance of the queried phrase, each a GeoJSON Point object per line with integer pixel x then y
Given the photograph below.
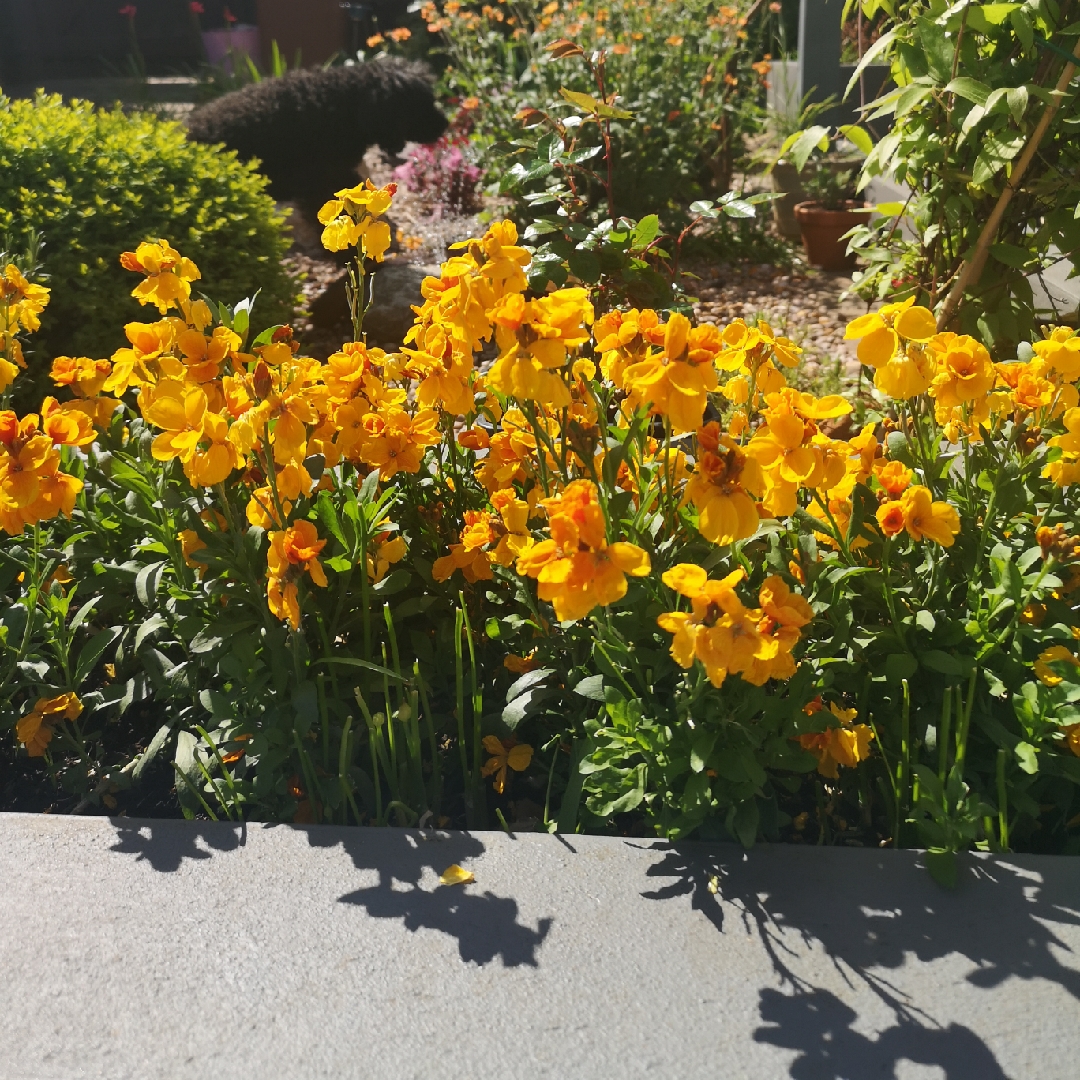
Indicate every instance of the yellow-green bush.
{"type": "Point", "coordinates": [88, 180]}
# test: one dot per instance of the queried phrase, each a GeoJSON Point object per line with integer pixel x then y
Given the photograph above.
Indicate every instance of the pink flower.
{"type": "Point", "coordinates": [229, 16]}
{"type": "Point", "coordinates": [196, 7]}
{"type": "Point", "coordinates": [128, 10]}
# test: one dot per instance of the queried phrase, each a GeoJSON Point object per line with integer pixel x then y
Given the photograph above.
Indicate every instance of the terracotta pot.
{"type": "Point", "coordinates": [787, 179]}
{"type": "Point", "coordinates": [821, 232]}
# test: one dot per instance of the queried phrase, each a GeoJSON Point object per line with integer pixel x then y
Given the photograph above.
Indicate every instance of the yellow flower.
{"type": "Point", "coordinates": [1056, 654]}
{"type": "Point", "coordinates": [35, 730]}
{"type": "Point", "coordinates": [879, 332]}
{"type": "Point", "coordinates": [350, 219]}
{"type": "Point", "coordinates": [395, 442]}
{"type": "Point", "coordinates": [24, 301]}
{"type": "Point", "coordinates": [168, 274]}
{"type": "Point", "coordinates": [515, 756]}
{"type": "Point", "coordinates": [718, 630]}
{"type": "Point", "coordinates": [577, 569]}
{"type": "Point", "coordinates": [718, 488]}
{"type": "Point", "coordinates": [292, 551]}
{"type": "Point", "coordinates": [846, 744]}
{"type": "Point", "coordinates": [534, 338]}
{"type": "Point", "coordinates": [965, 370]}
{"type": "Point", "coordinates": [924, 517]}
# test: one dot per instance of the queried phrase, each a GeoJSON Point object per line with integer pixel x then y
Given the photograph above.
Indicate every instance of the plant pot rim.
{"type": "Point", "coordinates": [815, 209]}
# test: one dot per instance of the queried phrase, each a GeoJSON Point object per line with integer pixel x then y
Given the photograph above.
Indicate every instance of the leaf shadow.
{"type": "Point", "coordinates": [872, 912]}
{"type": "Point", "coordinates": [165, 844]}
{"type": "Point", "coordinates": [485, 925]}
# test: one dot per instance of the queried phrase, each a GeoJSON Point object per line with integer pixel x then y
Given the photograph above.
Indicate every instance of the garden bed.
{"type": "Point", "coordinates": [337, 950]}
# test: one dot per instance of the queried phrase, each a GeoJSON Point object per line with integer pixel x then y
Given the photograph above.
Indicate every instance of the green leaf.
{"type": "Point", "coordinates": [745, 822]}
{"type": "Point", "coordinates": [645, 232]}
{"type": "Point", "coordinates": [585, 102]}
{"type": "Point", "coordinates": [585, 266]}
{"type": "Point", "coordinates": [529, 679]}
{"type": "Point", "coordinates": [806, 142]}
{"type": "Point", "coordinates": [150, 626]}
{"type": "Point", "coordinates": [738, 208]}
{"type": "Point", "coordinates": [91, 652]}
{"type": "Point", "coordinates": [701, 749]}
{"type": "Point", "coordinates": [1018, 102]}
{"type": "Point", "coordinates": [996, 14]}
{"type": "Point", "coordinates": [1026, 757]}
{"type": "Point", "coordinates": [146, 582]}
{"type": "Point", "coordinates": [869, 57]}
{"type": "Point", "coordinates": [629, 800]}
{"type": "Point", "coordinates": [900, 666]}
{"type": "Point", "coordinates": [1011, 255]}
{"type": "Point", "coordinates": [942, 867]}
{"type": "Point", "coordinates": [858, 136]}
{"type": "Point", "coordinates": [327, 515]}
{"type": "Point", "coordinates": [969, 89]}
{"type": "Point", "coordinates": [592, 687]}
{"type": "Point", "coordinates": [354, 661]}
{"type": "Point", "coordinates": [571, 800]}
{"type": "Point", "coordinates": [83, 614]}
{"type": "Point", "coordinates": [523, 704]}
{"type": "Point", "coordinates": [151, 752]}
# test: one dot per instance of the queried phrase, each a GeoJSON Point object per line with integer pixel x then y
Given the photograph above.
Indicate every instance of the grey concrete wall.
{"type": "Point", "coordinates": [134, 949]}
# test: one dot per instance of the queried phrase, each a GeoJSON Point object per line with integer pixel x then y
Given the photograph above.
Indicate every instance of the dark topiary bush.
{"type": "Point", "coordinates": [95, 183]}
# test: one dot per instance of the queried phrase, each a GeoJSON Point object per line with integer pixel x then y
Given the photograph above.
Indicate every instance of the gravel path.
{"type": "Point", "coordinates": [804, 305]}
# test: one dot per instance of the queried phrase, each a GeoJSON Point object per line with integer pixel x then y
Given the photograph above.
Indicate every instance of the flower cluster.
{"type": "Point", "coordinates": [351, 219]}
{"type": "Point", "coordinates": [21, 305]}
{"type": "Point", "coordinates": [33, 487]}
{"type": "Point", "coordinates": [843, 743]}
{"type": "Point", "coordinates": [728, 637]}
{"type": "Point", "coordinates": [575, 567]}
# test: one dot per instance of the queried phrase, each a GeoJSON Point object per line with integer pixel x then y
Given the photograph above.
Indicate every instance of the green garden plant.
{"type": "Point", "coordinates": [689, 74]}
{"type": "Point", "coordinates": [985, 135]}
{"type": "Point", "coordinates": [87, 180]}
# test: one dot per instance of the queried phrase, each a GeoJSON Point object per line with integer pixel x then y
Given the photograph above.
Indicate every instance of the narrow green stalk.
{"type": "Point", "coordinates": [198, 794]}
{"type": "Point", "coordinates": [311, 781]}
{"type": "Point", "coordinates": [903, 766]}
{"type": "Point", "coordinates": [373, 748]}
{"type": "Point", "coordinates": [944, 732]}
{"type": "Point", "coordinates": [1003, 801]}
{"type": "Point", "coordinates": [324, 716]}
{"type": "Point", "coordinates": [459, 685]}
{"type": "Point", "coordinates": [343, 755]}
{"type": "Point", "coordinates": [429, 722]}
{"type": "Point", "coordinates": [965, 723]}
{"type": "Point", "coordinates": [221, 763]}
{"type": "Point", "coordinates": [477, 711]}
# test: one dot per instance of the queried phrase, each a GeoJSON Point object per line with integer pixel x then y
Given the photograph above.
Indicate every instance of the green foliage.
{"type": "Point", "coordinates": [94, 183]}
{"type": "Point", "coordinates": [973, 82]}
{"type": "Point", "coordinates": [687, 91]}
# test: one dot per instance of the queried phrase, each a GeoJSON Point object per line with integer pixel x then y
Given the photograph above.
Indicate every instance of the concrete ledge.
{"type": "Point", "coordinates": [173, 949]}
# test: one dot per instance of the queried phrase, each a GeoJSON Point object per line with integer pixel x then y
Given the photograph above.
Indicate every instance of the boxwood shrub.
{"type": "Point", "coordinates": [94, 183]}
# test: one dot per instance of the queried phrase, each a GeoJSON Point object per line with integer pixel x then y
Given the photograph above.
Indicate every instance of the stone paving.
{"type": "Point", "coordinates": [147, 949]}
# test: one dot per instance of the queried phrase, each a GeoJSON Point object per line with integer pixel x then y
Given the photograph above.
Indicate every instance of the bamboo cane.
{"type": "Point", "coordinates": [973, 268]}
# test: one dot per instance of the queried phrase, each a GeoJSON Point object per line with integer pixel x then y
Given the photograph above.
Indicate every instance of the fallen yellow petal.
{"type": "Point", "coordinates": [455, 875]}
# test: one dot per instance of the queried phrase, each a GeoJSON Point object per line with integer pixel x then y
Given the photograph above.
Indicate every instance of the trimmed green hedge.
{"type": "Point", "coordinates": [94, 183]}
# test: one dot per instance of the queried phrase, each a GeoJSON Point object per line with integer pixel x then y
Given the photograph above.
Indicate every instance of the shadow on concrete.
{"type": "Point", "coordinates": [872, 912]}
{"type": "Point", "coordinates": [486, 926]}
{"type": "Point", "coordinates": [166, 844]}
{"type": "Point", "coordinates": [818, 1025]}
